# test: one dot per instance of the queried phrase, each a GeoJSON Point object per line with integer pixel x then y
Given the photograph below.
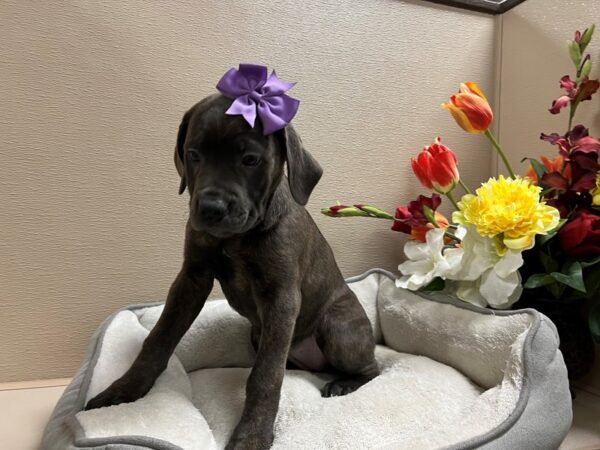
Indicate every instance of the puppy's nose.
{"type": "Point", "coordinates": [212, 209]}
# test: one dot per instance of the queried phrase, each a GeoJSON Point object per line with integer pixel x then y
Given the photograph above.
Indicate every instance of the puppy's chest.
{"type": "Point", "coordinates": [234, 273]}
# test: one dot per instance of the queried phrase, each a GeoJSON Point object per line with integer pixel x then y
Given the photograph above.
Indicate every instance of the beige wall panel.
{"type": "Point", "coordinates": [92, 94]}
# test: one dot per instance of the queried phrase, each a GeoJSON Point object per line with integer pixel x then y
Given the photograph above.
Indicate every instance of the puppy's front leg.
{"type": "Point", "coordinates": [186, 298]}
{"type": "Point", "coordinates": [263, 388]}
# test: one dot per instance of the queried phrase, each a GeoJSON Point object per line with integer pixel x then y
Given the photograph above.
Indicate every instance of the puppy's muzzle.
{"type": "Point", "coordinates": [218, 212]}
{"type": "Point", "coordinates": [212, 211]}
{"type": "Point", "coordinates": [212, 207]}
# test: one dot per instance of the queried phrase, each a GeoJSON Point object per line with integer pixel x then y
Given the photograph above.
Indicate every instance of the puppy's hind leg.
{"type": "Point", "coordinates": [346, 338]}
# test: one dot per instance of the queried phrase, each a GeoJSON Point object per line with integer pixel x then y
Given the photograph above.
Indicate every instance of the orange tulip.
{"type": "Point", "coordinates": [470, 108]}
{"type": "Point", "coordinates": [435, 167]}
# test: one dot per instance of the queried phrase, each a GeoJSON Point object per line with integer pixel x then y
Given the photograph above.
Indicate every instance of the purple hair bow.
{"type": "Point", "coordinates": [255, 94]}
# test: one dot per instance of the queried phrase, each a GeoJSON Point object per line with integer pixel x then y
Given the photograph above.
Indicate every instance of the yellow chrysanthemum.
{"type": "Point", "coordinates": [596, 192]}
{"type": "Point", "coordinates": [508, 210]}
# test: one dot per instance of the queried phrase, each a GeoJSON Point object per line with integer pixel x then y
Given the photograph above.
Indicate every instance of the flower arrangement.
{"type": "Point", "coordinates": [539, 231]}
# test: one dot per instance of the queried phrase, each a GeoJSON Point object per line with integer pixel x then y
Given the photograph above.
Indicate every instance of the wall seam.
{"type": "Point", "coordinates": [498, 88]}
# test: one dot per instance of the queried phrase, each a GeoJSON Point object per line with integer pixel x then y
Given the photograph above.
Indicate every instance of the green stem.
{"type": "Point", "coordinates": [495, 143]}
{"type": "Point", "coordinates": [452, 199]}
{"type": "Point", "coordinates": [571, 115]}
{"type": "Point", "coordinates": [464, 186]}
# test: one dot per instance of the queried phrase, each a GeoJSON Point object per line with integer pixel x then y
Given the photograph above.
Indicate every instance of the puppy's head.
{"type": "Point", "coordinates": [231, 170]}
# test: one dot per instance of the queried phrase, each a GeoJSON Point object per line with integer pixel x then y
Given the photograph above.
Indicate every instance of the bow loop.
{"type": "Point", "coordinates": [256, 95]}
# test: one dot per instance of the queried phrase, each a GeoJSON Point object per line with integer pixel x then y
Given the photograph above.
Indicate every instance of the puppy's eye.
{"type": "Point", "coordinates": [194, 154]}
{"type": "Point", "coordinates": [250, 160]}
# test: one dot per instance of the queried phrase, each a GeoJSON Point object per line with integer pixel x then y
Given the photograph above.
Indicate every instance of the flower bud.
{"type": "Point", "coordinates": [435, 167]}
{"type": "Point", "coordinates": [575, 53]}
{"type": "Point", "coordinates": [586, 37]}
{"type": "Point", "coordinates": [470, 108]}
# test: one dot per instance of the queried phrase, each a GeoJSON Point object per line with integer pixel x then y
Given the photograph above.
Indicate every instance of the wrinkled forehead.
{"type": "Point", "coordinates": [210, 126]}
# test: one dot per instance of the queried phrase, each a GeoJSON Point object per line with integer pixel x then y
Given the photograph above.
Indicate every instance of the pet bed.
{"type": "Point", "coordinates": [452, 376]}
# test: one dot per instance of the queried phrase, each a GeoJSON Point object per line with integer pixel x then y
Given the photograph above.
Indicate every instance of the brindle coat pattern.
{"type": "Point", "coordinates": [248, 228]}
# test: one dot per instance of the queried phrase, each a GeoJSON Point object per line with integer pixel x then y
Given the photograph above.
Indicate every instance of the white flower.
{"type": "Point", "coordinates": [483, 277]}
{"type": "Point", "coordinates": [426, 261]}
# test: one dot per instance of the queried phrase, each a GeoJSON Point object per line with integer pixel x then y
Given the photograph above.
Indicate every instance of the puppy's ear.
{"type": "Point", "coordinates": [178, 156]}
{"type": "Point", "coordinates": [304, 171]}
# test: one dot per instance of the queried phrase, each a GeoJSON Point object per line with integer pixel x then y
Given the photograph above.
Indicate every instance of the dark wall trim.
{"type": "Point", "coordinates": [485, 6]}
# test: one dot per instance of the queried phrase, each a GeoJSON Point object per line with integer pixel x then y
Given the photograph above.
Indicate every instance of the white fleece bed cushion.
{"type": "Point", "coordinates": [452, 376]}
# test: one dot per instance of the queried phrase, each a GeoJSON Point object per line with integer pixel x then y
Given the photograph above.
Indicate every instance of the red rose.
{"type": "Point", "coordinates": [580, 236]}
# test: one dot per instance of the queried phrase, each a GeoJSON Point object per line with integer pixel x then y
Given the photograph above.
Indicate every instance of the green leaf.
{"type": "Point", "coordinates": [548, 262]}
{"type": "Point", "coordinates": [591, 278]}
{"type": "Point", "coordinates": [538, 167]}
{"type": "Point", "coordinates": [556, 290]}
{"type": "Point", "coordinates": [538, 280]}
{"type": "Point", "coordinates": [557, 228]}
{"type": "Point", "coordinates": [437, 284]}
{"type": "Point", "coordinates": [572, 278]}
{"type": "Point", "coordinates": [594, 321]}
{"type": "Point", "coordinates": [593, 262]}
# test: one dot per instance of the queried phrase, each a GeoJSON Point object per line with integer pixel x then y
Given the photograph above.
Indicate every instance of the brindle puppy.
{"type": "Point", "coordinates": [249, 230]}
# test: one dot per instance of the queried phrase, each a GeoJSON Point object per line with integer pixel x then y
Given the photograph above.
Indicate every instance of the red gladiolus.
{"type": "Point", "coordinates": [412, 219]}
{"type": "Point", "coordinates": [575, 93]}
{"type": "Point", "coordinates": [580, 237]}
{"type": "Point", "coordinates": [435, 167]}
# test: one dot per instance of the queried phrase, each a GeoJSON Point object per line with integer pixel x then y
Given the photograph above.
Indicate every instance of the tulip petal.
{"type": "Point", "coordinates": [475, 89]}
{"type": "Point", "coordinates": [476, 109]}
{"type": "Point", "coordinates": [445, 174]}
{"type": "Point", "coordinates": [420, 167]}
{"type": "Point", "coordinates": [460, 118]}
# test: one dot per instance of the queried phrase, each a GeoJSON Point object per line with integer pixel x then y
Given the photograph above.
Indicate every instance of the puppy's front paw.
{"type": "Point", "coordinates": [342, 386]}
{"type": "Point", "coordinates": [116, 394]}
{"type": "Point", "coordinates": [250, 442]}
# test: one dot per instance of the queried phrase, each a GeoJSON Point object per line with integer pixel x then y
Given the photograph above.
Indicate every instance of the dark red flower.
{"type": "Point", "coordinates": [575, 93]}
{"type": "Point", "coordinates": [587, 88]}
{"type": "Point", "coordinates": [569, 201]}
{"type": "Point", "coordinates": [413, 220]}
{"type": "Point", "coordinates": [577, 140]}
{"type": "Point", "coordinates": [571, 184]}
{"type": "Point", "coordinates": [580, 236]}
{"type": "Point", "coordinates": [413, 214]}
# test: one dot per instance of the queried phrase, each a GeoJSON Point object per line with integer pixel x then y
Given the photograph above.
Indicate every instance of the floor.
{"type": "Point", "coordinates": [25, 408]}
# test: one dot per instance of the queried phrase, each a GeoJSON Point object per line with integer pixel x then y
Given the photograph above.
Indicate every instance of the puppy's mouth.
{"type": "Point", "coordinates": [228, 224]}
